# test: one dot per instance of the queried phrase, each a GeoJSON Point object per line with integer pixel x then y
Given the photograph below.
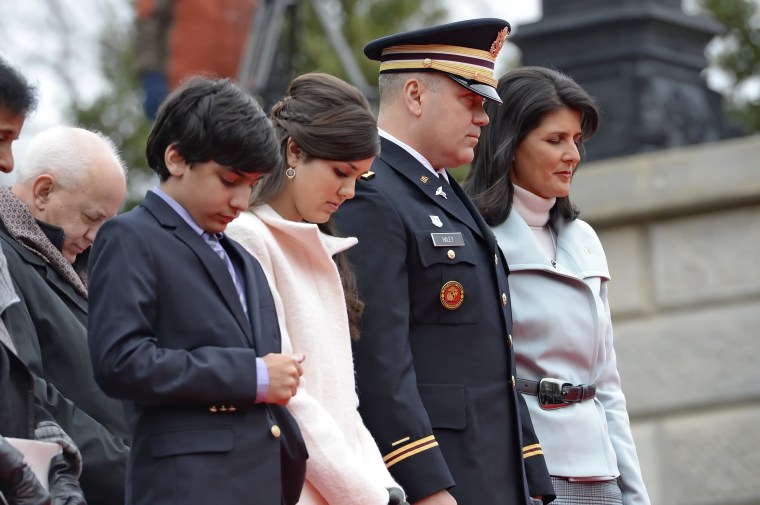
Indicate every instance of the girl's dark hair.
{"type": "Point", "coordinates": [529, 94]}
{"type": "Point", "coordinates": [17, 96]}
{"type": "Point", "coordinates": [328, 119]}
{"type": "Point", "coordinates": [213, 120]}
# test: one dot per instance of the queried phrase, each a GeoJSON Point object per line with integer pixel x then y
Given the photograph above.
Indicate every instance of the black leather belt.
{"type": "Point", "coordinates": [555, 393]}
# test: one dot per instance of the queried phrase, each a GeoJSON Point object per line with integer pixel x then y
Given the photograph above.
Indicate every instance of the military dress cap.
{"type": "Point", "coordinates": [464, 50]}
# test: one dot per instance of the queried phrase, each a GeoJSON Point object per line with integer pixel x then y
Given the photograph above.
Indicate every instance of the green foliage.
{"type": "Point", "coordinates": [118, 111]}
{"type": "Point", "coordinates": [740, 54]}
{"type": "Point", "coordinates": [362, 21]}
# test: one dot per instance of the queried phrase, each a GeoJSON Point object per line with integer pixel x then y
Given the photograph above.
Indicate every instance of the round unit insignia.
{"type": "Point", "coordinates": [452, 295]}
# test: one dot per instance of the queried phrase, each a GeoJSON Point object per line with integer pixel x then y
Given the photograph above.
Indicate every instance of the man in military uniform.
{"type": "Point", "coordinates": [434, 362]}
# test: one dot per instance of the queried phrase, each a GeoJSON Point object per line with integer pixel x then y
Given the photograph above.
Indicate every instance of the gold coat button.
{"type": "Point", "coordinates": [212, 408]}
{"type": "Point", "coordinates": [510, 339]}
{"type": "Point", "coordinates": [451, 254]}
{"type": "Point", "coordinates": [223, 408]}
{"type": "Point", "coordinates": [232, 408]}
{"type": "Point", "coordinates": [504, 299]}
{"type": "Point", "coordinates": [275, 431]}
{"type": "Point", "coordinates": [513, 381]}
{"type": "Point", "coordinates": [495, 259]}
{"type": "Point", "coordinates": [427, 62]}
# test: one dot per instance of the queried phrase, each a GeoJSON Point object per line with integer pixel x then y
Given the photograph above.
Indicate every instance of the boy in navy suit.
{"type": "Point", "coordinates": [182, 324]}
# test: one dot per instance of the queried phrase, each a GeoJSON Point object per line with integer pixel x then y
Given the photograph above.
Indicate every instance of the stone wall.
{"type": "Point", "coordinates": [681, 229]}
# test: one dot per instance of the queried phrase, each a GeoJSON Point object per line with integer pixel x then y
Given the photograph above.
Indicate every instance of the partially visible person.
{"type": "Point", "coordinates": [69, 183]}
{"type": "Point", "coordinates": [17, 99]}
{"type": "Point", "coordinates": [434, 364]}
{"type": "Point", "coordinates": [175, 39]}
{"type": "Point", "coordinates": [21, 414]}
{"type": "Point", "coordinates": [22, 417]}
{"type": "Point", "coordinates": [328, 139]}
{"type": "Point", "coordinates": [520, 181]}
{"type": "Point", "coordinates": [183, 327]}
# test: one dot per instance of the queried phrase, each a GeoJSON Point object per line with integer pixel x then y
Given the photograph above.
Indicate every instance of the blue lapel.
{"type": "Point", "coordinates": [213, 264]}
{"type": "Point", "coordinates": [408, 167]}
{"type": "Point", "coordinates": [457, 203]}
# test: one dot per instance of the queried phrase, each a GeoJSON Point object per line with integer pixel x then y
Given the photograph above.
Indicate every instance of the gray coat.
{"type": "Point", "coordinates": [49, 330]}
{"type": "Point", "coordinates": [562, 329]}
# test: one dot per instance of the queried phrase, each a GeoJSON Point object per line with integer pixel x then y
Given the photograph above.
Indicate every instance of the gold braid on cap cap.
{"type": "Point", "coordinates": [499, 42]}
{"type": "Point", "coordinates": [472, 64]}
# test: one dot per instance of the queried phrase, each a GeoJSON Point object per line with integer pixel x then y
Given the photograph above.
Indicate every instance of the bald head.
{"type": "Point", "coordinates": [67, 152]}
{"type": "Point", "coordinates": [74, 179]}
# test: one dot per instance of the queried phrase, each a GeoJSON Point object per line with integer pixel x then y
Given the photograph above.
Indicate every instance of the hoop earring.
{"type": "Point", "coordinates": [290, 172]}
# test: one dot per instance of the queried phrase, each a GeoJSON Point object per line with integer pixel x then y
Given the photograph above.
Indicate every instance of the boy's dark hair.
{"type": "Point", "coordinates": [529, 94]}
{"type": "Point", "coordinates": [213, 120]}
{"type": "Point", "coordinates": [17, 96]}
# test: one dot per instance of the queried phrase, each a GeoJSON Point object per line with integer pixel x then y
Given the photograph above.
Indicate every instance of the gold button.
{"type": "Point", "coordinates": [212, 408]}
{"type": "Point", "coordinates": [275, 431]}
{"type": "Point", "coordinates": [232, 408]}
{"type": "Point", "coordinates": [451, 254]}
{"type": "Point", "coordinates": [504, 299]}
{"type": "Point", "coordinates": [477, 76]}
{"type": "Point", "coordinates": [223, 408]}
{"type": "Point", "coordinates": [510, 339]}
{"type": "Point", "coordinates": [427, 62]}
{"type": "Point", "coordinates": [513, 381]}
{"type": "Point", "coordinates": [495, 259]}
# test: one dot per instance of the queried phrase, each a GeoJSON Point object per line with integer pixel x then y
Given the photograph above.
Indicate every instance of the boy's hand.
{"type": "Point", "coordinates": [284, 372]}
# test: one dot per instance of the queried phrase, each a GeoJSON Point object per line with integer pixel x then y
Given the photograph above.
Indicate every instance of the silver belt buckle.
{"type": "Point", "coordinates": [550, 394]}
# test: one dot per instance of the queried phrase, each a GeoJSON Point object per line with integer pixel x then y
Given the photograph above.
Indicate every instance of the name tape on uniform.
{"type": "Point", "coordinates": [452, 239]}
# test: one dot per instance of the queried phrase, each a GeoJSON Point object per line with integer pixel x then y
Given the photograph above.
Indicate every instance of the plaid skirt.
{"type": "Point", "coordinates": [606, 492]}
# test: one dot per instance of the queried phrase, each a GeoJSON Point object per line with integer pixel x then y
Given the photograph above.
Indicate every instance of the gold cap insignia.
{"type": "Point", "coordinates": [424, 179]}
{"type": "Point", "coordinates": [452, 295]}
{"type": "Point", "coordinates": [499, 42]}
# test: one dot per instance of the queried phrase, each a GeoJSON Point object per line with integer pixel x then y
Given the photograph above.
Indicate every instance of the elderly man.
{"type": "Point", "coordinates": [71, 181]}
{"type": "Point", "coordinates": [434, 364]}
{"type": "Point", "coordinates": [20, 416]}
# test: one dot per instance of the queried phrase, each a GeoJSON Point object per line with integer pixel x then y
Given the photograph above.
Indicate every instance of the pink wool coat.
{"type": "Point", "coordinates": [345, 466]}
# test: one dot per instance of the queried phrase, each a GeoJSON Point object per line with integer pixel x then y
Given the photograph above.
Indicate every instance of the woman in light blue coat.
{"type": "Point", "coordinates": [520, 181]}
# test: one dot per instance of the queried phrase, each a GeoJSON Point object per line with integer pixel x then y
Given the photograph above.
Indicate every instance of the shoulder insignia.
{"type": "Point", "coordinates": [368, 175]}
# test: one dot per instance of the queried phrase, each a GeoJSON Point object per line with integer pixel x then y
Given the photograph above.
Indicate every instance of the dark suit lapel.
{"type": "Point", "coordinates": [478, 220]}
{"type": "Point", "coordinates": [213, 264]}
{"type": "Point", "coordinates": [251, 290]}
{"type": "Point", "coordinates": [437, 190]}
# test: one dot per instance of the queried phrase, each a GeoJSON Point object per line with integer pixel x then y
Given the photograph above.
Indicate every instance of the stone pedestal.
{"type": "Point", "coordinates": [642, 60]}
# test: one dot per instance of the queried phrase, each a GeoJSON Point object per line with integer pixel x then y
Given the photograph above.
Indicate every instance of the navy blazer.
{"type": "Point", "coordinates": [434, 363]}
{"type": "Point", "coordinates": [168, 336]}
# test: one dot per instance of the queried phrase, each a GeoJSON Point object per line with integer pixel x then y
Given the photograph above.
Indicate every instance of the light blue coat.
{"type": "Point", "coordinates": [562, 329]}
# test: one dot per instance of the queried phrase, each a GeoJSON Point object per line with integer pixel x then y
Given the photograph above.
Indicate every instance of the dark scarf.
{"type": "Point", "coordinates": [31, 234]}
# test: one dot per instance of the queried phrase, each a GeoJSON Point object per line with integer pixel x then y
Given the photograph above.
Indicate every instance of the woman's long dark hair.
{"type": "Point", "coordinates": [529, 94]}
{"type": "Point", "coordinates": [328, 119]}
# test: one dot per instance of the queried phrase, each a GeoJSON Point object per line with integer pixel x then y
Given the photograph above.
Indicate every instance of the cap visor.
{"type": "Point", "coordinates": [479, 88]}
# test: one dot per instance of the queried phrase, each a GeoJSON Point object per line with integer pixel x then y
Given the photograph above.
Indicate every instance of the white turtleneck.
{"type": "Point", "coordinates": [534, 210]}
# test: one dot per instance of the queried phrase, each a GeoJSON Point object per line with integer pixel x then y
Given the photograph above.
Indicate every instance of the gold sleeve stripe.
{"type": "Point", "coordinates": [394, 444]}
{"type": "Point", "coordinates": [408, 450]}
{"type": "Point", "coordinates": [534, 452]}
{"type": "Point", "coordinates": [528, 448]}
